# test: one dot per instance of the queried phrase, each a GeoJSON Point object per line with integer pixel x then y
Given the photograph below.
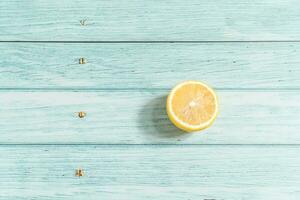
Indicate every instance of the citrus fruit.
{"type": "Point", "coordinates": [192, 106]}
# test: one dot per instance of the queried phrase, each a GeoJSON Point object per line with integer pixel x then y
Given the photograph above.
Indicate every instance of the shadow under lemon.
{"type": "Point", "coordinates": [154, 121]}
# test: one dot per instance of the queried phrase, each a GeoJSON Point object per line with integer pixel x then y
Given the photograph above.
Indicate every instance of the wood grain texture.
{"type": "Point", "coordinates": [169, 20]}
{"type": "Point", "coordinates": [150, 172]}
{"type": "Point", "coordinates": [150, 66]}
{"type": "Point", "coordinates": [133, 117]}
{"type": "Point", "coordinates": [123, 88]}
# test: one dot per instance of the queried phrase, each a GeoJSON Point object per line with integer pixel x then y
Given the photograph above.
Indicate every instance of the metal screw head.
{"type": "Point", "coordinates": [82, 61]}
{"type": "Point", "coordinates": [81, 114]}
{"type": "Point", "coordinates": [79, 172]}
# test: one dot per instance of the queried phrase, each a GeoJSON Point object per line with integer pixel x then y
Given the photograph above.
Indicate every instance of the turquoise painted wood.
{"type": "Point", "coordinates": [247, 50]}
{"type": "Point", "coordinates": [133, 117]}
{"type": "Point", "coordinates": [136, 20]}
{"type": "Point", "coordinates": [150, 172]}
{"type": "Point", "coordinates": [150, 66]}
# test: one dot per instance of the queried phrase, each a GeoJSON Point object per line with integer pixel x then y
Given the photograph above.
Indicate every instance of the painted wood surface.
{"type": "Point", "coordinates": [152, 20]}
{"type": "Point", "coordinates": [150, 66]}
{"type": "Point", "coordinates": [150, 172]}
{"type": "Point", "coordinates": [132, 117]}
{"type": "Point", "coordinates": [251, 152]}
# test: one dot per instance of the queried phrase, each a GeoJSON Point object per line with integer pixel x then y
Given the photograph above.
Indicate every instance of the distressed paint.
{"type": "Point", "coordinates": [150, 172]}
{"type": "Point", "coordinates": [251, 152]}
{"type": "Point", "coordinates": [134, 117]}
{"type": "Point", "coordinates": [113, 20]}
{"type": "Point", "coordinates": [150, 66]}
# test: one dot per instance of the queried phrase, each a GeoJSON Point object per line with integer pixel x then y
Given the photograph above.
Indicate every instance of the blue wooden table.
{"type": "Point", "coordinates": [132, 53]}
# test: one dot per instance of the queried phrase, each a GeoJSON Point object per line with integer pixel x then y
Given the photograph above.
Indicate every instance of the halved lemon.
{"type": "Point", "coordinates": [192, 106]}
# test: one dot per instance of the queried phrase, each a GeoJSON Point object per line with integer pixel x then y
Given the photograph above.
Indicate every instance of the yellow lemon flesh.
{"type": "Point", "coordinates": [192, 106]}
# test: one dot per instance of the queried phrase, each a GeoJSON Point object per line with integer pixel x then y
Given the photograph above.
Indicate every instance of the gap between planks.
{"type": "Point", "coordinates": [91, 89]}
{"type": "Point", "coordinates": [149, 42]}
{"type": "Point", "coordinates": [156, 145]}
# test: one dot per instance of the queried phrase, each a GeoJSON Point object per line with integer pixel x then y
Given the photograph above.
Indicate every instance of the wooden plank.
{"type": "Point", "coordinates": [133, 117]}
{"type": "Point", "coordinates": [114, 66]}
{"type": "Point", "coordinates": [150, 172]}
{"type": "Point", "coordinates": [115, 20]}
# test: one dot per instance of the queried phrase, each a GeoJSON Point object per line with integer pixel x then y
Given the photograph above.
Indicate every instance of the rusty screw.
{"type": "Point", "coordinates": [79, 172]}
{"type": "Point", "coordinates": [82, 61]}
{"type": "Point", "coordinates": [81, 114]}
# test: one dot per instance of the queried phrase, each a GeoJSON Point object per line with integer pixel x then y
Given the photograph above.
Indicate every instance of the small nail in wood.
{"type": "Point", "coordinates": [81, 114]}
{"type": "Point", "coordinates": [82, 61]}
{"type": "Point", "coordinates": [83, 22]}
{"type": "Point", "coordinates": [79, 172]}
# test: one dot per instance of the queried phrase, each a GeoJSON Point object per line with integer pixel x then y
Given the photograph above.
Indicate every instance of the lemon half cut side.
{"type": "Point", "coordinates": [192, 106]}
